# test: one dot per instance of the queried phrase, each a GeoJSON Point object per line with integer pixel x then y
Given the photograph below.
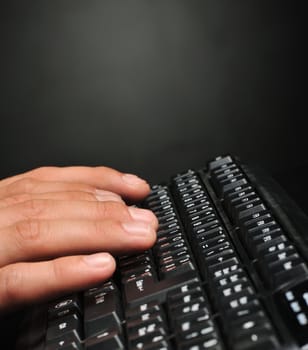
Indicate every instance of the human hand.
{"type": "Point", "coordinates": [60, 226]}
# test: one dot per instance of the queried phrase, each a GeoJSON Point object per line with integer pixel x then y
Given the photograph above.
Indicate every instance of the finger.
{"type": "Point", "coordinates": [28, 186]}
{"type": "Point", "coordinates": [98, 195]}
{"type": "Point", "coordinates": [127, 185]}
{"type": "Point", "coordinates": [25, 283]}
{"type": "Point", "coordinates": [34, 240]}
{"type": "Point", "coordinates": [86, 210]}
{"type": "Point", "coordinates": [33, 186]}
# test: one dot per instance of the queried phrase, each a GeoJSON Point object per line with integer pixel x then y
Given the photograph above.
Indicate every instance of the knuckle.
{"type": "Point", "coordinates": [80, 195]}
{"type": "Point", "coordinates": [101, 228]}
{"type": "Point", "coordinates": [111, 210]}
{"type": "Point", "coordinates": [25, 185]}
{"type": "Point", "coordinates": [102, 168]}
{"type": "Point", "coordinates": [116, 197]}
{"type": "Point", "coordinates": [43, 171]}
{"type": "Point", "coordinates": [33, 208]}
{"type": "Point", "coordinates": [16, 199]}
{"type": "Point", "coordinates": [75, 196]}
{"type": "Point", "coordinates": [57, 270]}
{"type": "Point", "coordinates": [28, 230]}
{"type": "Point", "coordinates": [98, 228]}
{"type": "Point", "coordinates": [83, 188]}
{"type": "Point", "coordinates": [12, 281]}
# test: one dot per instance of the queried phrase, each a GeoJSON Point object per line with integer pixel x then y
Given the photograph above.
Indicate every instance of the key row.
{"type": "Point", "coordinates": [171, 250]}
{"type": "Point", "coordinates": [277, 258]}
{"type": "Point", "coordinates": [232, 291]}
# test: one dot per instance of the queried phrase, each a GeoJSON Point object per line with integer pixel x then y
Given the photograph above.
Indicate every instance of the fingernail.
{"type": "Point", "coordinates": [98, 260]}
{"type": "Point", "coordinates": [132, 179]}
{"type": "Point", "coordinates": [141, 214]}
{"type": "Point", "coordinates": [103, 196]}
{"type": "Point", "coordinates": [138, 228]}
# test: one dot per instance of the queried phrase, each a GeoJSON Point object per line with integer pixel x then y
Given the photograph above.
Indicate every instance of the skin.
{"type": "Point", "coordinates": [61, 227]}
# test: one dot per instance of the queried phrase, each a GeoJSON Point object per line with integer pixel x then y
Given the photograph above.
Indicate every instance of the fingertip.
{"type": "Point", "coordinates": [142, 235]}
{"type": "Point", "coordinates": [132, 188]}
{"type": "Point", "coordinates": [129, 186]}
{"type": "Point", "coordinates": [133, 180]}
{"type": "Point", "coordinates": [98, 266]}
{"type": "Point", "coordinates": [145, 215]}
{"type": "Point", "coordinates": [100, 260]}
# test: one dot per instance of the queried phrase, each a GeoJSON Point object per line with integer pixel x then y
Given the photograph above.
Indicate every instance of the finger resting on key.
{"type": "Point", "coordinates": [127, 185]}
{"type": "Point", "coordinates": [28, 185]}
{"type": "Point", "coordinates": [97, 195]}
{"type": "Point", "coordinates": [23, 283]}
{"type": "Point", "coordinates": [41, 209]}
{"type": "Point", "coordinates": [43, 239]}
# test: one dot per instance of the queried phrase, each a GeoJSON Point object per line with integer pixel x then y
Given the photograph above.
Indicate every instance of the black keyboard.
{"type": "Point", "coordinates": [228, 271]}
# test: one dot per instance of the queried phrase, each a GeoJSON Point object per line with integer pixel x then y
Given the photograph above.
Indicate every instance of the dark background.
{"type": "Point", "coordinates": [153, 87]}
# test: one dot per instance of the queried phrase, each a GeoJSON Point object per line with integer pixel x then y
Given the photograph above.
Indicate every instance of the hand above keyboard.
{"type": "Point", "coordinates": [228, 270]}
{"type": "Point", "coordinates": [59, 228]}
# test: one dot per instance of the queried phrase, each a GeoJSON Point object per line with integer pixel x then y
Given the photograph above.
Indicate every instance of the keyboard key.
{"type": "Point", "coordinates": [293, 303]}
{"type": "Point", "coordinates": [142, 328]}
{"type": "Point", "coordinates": [213, 251]}
{"type": "Point", "coordinates": [189, 309]}
{"type": "Point", "coordinates": [146, 317]}
{"type": "Point", "coordinates": [294, 268]}
{"type": "Point", "coordinates": [230, 279]}
{"type": "Point", "coordinates": [70, 324]}
{"type": "Point", "coordinates": [248, 310]}
{"type": "Point", "coordinates": [224, 269]}
{"type": "Point", "coordinates": [147, 337]}
{"type": "Point", "coordinates": [65, 341]}
{"type": "Point", "coordinates": [226, 169]}
{"type": "Point", "coordinates": [210, 342]}
{"type": "Point", "coordinates": [174, 256]}
{"type": "Point", "coordinates": [132, 313]}
{"type": "Point", "coordinates": [102, 312]}
{"type": "Point", "coordinates": [167, 241]}
{"type": "Point", "coordinates": [279, 243]}
{"type": "Point", "coordinates": [260, 338]}
{"type": "Point", "coordinates": [65, 306]}
{"type": "Point", "coordinates": [206, 328]}
{"type": "Point", "coordinates": [177, 267]}
{"type": "Point", "coordinates": [105, 340]}
{"type": "Point", "coordinates": [220, 162]}
{"type": "Point", "coordinates": [238, 300]}
{"type": "Point", "coordinates": [220, 258]}
{"type": "Point", "coordinates": [187, 298]}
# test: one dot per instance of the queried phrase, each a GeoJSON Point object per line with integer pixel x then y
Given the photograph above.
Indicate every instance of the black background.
{"type": "Point", "coordinates": [152, 87]}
